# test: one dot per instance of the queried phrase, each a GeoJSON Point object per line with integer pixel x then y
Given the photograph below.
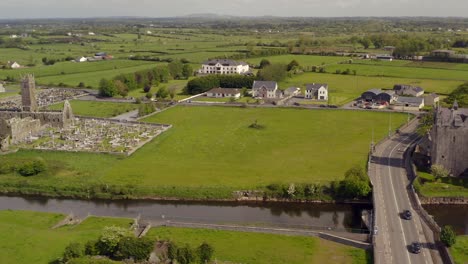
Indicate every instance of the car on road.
{"type": "Point", "coordinates": [296, 104]}
{"type": "Point", "coordinates": [416, 247]}
{"type": "Point", "coordinates": [407, 215]}
{"type": "Point", "coordinates": [332, 106]}
{"type": "Point", "coordinates": [322, 105]}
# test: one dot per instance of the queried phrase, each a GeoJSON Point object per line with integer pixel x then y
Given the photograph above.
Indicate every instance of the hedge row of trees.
{"type": "Point", "coordinates": [115, 243]}
{"type": "Point", "coordinates": [124, 83]}
{"type": "Point", "coordinates": [205, 83]}
{"type": "Point", "coordinates": [186, 254]}
{"type": "Point", "coordinates": [460, 94]}
{"type": "Point", "coordinates": [118, 243]}
{"type": "Point", "coordinates": [356, 185]}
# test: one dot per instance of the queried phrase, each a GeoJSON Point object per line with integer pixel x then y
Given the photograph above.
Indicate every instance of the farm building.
{"type": "Point", "coordinates": [377, 95]}
{"type": "Point", "coordinates": [403, 89]}
{"type": "Point", "coordinates": [224, 92]}
{"type": "Point", "coordinates": [384, 57]}
{"type": "Point", "coordinates": [408, 103]}
{"type": "Point", "coordinates": [14, 65]}
{"type": "Point", "coordinates": [431, 99]}
{"type": "Point", "coordinates": [2, 89]}
{"type": "Point", "coordinates": [317, 91]}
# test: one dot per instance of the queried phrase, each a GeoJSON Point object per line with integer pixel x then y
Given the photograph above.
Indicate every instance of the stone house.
{"type": "Point", "coordinates": [431, 99]}
{"type": "Point", "coordinates": [266, 90]}
{"type": "Point", "coordinates": [405, 103]}
{"type": "Point", "coordinates": [316, 91]}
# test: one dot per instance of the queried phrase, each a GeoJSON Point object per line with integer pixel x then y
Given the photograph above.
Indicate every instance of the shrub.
{"type": "Point", "coordinates": [31, 168]}
{"type": "Point", "coordinates": [73, 250]}
{"type": "Point", "coordinates": [205, 252]}
{"type": "Point", "coordinates": [447, 236]}
{"type": "Point", "coordinates": [91, 248]}
{"type": "Point", "coordinates": [135, 248]}
{"type": "Point", "coordinates": [439, 171]}
{"type": "Point", "coordinates": [185, 255]}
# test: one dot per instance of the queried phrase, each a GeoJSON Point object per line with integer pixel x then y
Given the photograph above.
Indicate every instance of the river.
{"type": "Point", "coordinates": [310, 216]}
{"type": "Point", "coordinates": [454, 215]}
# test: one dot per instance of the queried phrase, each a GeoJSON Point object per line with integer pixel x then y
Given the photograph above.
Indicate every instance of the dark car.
{"type": "Point", "coordinates": [407, 214]}
{"type": "Point", "coordinates": [416, 247]}
{"type": "Point", "coordinates": [296, 104]}
{"type": "Point", "coordinates": [333, 106]}
{"type": "Point", "coordinates": [322, 105]}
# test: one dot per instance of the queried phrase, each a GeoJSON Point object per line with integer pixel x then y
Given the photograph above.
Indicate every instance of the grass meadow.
{"type": "Point", "coordinates": [242, 247]}
{"type": "Point", "coordinates": [211, 151]}
{"type": "Point", "coordinates": [97, 109]}
{"type": "Point", "coordinates": [459, 251]}
{"type": "Point", "coordinates": [27, 237]}
{"type": "Point", "coordinates": [344, 88]}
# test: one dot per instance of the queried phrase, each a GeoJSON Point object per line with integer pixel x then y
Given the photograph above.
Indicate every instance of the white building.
{"type": "Point", "coordinates": [81, 59]}
{"type": "Point", "coordinates": [224, 92]}
{"type": "Point", "coordinates": [224, 67]}
{"type": "Point", "coordinates": [317, 91]}
{"type": "Point", "coordinates": [14, 65]}
{"type": "Point", "coordinates": [2, 89]}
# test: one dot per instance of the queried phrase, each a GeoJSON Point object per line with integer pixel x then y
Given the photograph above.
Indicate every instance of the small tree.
{"type": "Point", "coordinates": [172, 250]}
{"type": "Point", "coordinates": [293, 64]}
{"type": "Point", "coordinates": [264, 63]}
{"type": "Point", "coordinates": [447, 236]}
{"type": "Point", "coordinates": [172, 93]}
{"type": "Point", "coordinates": [147, 88]}
{"type": "Point", "coordinates": [138, 249]}
{"type": "Point", "coordinates": [439, 171]}
{"type": "Point", "coordinates": [73, 250]}
{"type": "Point", "coordinates": [162, 93]}
{"type": "Point", "coordinates": [185, 255]}
{"type": "Point", "coordinates": [149, 95]}
{"type": "Point", "coordinates": [110, 238]}
{"type": "Point", "coordinates": [205, 251]}
{"type": "Point", "coordinates": [107, 88]}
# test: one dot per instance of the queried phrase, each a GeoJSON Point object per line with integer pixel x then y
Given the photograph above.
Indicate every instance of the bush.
{"type": "Point", "coordinates": [185, 255]}
{"type": "Point", "coordinates": [73, 250]}
{"type": "Point", "coordinates": [135, 248]}
{"type": "Point", "coordinates": [91, 248]}
{"type": "Point", "coordinates": [447, 236]}
{"type": "Point", "coordinates": [205, 252]}
{"type": "Point", "coordinates": [31, 168]}
{"type": "Point", "coordinates": [6, 168]}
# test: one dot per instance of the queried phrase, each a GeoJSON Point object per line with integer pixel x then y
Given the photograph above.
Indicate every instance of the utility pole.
{"type": "Point", "coordinates": [390, 125]}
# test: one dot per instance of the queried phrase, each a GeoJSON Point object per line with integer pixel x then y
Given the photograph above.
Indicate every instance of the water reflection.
{"type": "Point", "coordinates": [454, 215]}
{"type": "Point", "coordinates": [293, 215]}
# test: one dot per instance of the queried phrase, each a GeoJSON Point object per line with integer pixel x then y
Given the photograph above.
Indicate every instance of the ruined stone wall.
{"type": "Point", "coordinates": [450, 148]}
{"type": "Point", "coordinates": [28, 94]}
{"type": "Point", "coordinates": [54, 119]}
{"type": "Point", "coordinates": [21, 129]}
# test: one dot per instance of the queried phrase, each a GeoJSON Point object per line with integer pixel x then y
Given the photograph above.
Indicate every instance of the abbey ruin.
{"type": "Point", "coordinates": [23, 122]}
{"type": "Point", "coordinates": [16, 126]}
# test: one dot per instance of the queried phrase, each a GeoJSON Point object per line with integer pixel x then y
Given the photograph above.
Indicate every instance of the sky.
{"type": "Point", "coordinates": [169, 8]}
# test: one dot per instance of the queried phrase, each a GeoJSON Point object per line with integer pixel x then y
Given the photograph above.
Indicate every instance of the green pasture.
{"type": "Point", "coordinates": [344, 88]}
{"type": "Point", "coordinates": [459, 251]}
{"type": "Point", "coordinates": [402, 72]}
{"type": "Point", "coordinates": [303, 60]}
{"type": "Point", "coordinates": [27, 237]}
{"type": "Point", "coordinates": [97, 109]}
{"type": "Point", "coordinates": [242, 247]}
{"type": "Point", "coordinates": [211, 151]}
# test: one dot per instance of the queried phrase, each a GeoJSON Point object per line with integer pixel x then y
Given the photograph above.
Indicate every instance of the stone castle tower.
{"type": "Point", "coordinates": [449, 136]}
{"type": "Point", "coordinates": [28, 94]}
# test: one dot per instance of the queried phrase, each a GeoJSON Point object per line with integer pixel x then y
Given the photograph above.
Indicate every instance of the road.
{"type": "Point", "coordinates": [395, 234]}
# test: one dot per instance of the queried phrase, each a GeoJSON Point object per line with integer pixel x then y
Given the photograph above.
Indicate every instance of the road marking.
{"type": "Point", "coordinates": [394, 199]}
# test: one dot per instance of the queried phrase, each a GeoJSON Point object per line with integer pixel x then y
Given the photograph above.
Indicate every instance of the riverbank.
{"type": "Point", "coordinates": [230, 246]}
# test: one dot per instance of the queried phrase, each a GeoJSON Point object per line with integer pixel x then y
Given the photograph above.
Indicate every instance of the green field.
{"type": "Point", "coordinates": [97, 109]}
{"type": "Point", "coordinates": [27, 237]}
{"type": "Point", "coordinates": [200, 157]}
{"type": "Point", "coordinates": [240, 247]}
{"type": "Point", "coordinates": [459, 251]}
{"type": "Point", "coordinates": [344, 88]}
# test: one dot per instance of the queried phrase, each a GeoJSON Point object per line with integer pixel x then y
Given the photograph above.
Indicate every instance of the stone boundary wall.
{"type": "Point", "coordinates": [444, 200]}
{"type": "Point", "coordinates": [416, 203]}
{"type": "Point", "coordinates": [53, 118]}
{"type": "Point", "coordinates": [345, 241]}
